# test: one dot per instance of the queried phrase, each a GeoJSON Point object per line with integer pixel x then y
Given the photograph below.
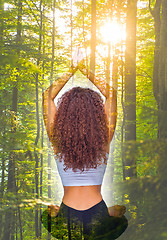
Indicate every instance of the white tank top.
{"type": "Point", "coordinates": [93, 176]}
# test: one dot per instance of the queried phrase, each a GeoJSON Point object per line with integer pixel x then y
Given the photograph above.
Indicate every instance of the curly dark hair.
{"type": "Point", "coordinates": [80, 129]}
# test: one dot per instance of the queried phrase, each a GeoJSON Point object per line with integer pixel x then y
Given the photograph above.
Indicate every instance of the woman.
{"type": "Point", "coordinates": [80, 131]}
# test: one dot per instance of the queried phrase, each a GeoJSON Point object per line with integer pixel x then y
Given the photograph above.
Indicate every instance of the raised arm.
{"type": "Point", "coordinates": [49, 108]}
{"type": "Point", "coordinates": [111, 111]}
{"type": "Point", "coordinates": [110, 94]}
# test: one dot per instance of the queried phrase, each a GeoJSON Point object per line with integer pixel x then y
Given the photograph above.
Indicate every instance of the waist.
{"type": "Point", "coordinates": [82, 197]}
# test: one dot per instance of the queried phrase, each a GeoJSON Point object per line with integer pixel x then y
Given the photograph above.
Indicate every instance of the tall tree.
{"type": "Point", "coordinates": [42, 125]}
{"type": "Point", "coordinates": [157, 25]}
{"type": "Point", "coordinates": [51, 79]}
{"type": "Point", "coordinates": [130, 89]}
{"type": "Point", "coordinates": [11, 185]}
{"type": "Point", "coordinates": [38, 123]}
{"type": "Point", "coordinates": [93, 37]}
{"type": "Point", "coordinates": [162, 103]}
{"type": "Point", "coordinates": [159, 76]}
{"type": "Point", "coordinates": [1, 25]}
{"type": "Point", "coordinates": [4, 127]}
{"type": "Point", "coordinates": [162, 73]}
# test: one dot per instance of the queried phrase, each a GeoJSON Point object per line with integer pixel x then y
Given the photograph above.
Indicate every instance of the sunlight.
{"type": "Point", "coordinates": [112, 32]}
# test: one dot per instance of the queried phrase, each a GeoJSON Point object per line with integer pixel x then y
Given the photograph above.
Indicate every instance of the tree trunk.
{"type": "Point", "coordinates": [20, 223]}
{"type": "Point", "coordinates": [38, 129]}
{"type": "Point", "coordinates": [42, 134]}
{"type": "Point", "coordinates": [163, 73]}
{"type": "Point", "coordinates": [3, 177]}
{"type": "Point", "coordinates": [1, 24]}
{"type": "Point", "coordinates": [52, 69]}
{"type": "Point", "coordinates": [93, 38]}
{"type": "Point", "coordinates": [49, 145]}
{"type": "Point", "coordinates": [4, 131]}
{"type": "Point", "coordinates": [130, 91]}
{"type": "Point", "coordinates": [71, 20]}
{"type": "Point", "coordinates": [160, 78]}
{"type": "Point", "coordinates": [162, 115]}
{"type": "Point", "coordinates": [11, 185]}
{"type": "Point", "coordinates": [2, 192]}
{"type": "Point", "coordinates": [157, 25]}
{"type": "Point", "coordinates": [123, 109]}
{"type": "Point", "coordinates": [41, 172]}
{"type": "Point", "coordinates": [53, 41]}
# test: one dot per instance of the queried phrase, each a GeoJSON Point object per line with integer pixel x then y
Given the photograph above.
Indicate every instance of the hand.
{"type": "Point", "coordinates": [53, 210]}
{"type": "Point", "coordinates": [81, 65]}
{"type": "Point", "coordinates": [117, 210]}
{"type": "Point", "coordinates": [73, 69]}
{"type": "Point", "coordinates": [78, 57]}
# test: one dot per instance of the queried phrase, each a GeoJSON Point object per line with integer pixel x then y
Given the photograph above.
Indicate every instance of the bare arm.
{"type": "Point", "coordinates": [111, 112]}
{"type": "Point", "coordinates": [49, 108]}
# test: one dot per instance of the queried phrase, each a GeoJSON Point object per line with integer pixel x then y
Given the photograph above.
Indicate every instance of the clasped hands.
{"type": "Point", "coordinates": [77, 61]}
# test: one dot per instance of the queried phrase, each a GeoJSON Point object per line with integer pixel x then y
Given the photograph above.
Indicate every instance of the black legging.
{"type": "Point", "coordinates": [90, 224]}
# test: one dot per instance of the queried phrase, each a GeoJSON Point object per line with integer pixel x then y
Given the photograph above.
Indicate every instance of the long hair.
{"type": "Point", "coordinates": [80, 129]}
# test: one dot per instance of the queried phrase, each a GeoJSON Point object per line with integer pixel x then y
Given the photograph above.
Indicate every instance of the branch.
{"type": "Point", "coordinates": [33, 13]}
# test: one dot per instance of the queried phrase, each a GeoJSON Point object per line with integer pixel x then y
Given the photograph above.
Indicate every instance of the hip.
{"type": "Point", "coordinates": [87, 216]}
{"type": "Point", "coordinates": [89, 224]}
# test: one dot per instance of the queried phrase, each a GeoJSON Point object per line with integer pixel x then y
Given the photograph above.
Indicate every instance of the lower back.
{"type": "Point", "coordinates": [82, 197]}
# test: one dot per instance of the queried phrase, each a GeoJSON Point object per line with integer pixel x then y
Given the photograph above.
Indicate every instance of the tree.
{"type": "Point", "coordinates": [130, 90]}
{"type": "Point", "coordinates": [157, 25]}
{"type": "Point", "coordinates": [38, 123]}
{"type": "Point", "coordinates": [159, 76]}
{"type": "Point", "coordinates": [11, 186]}
{"type": "Point", "coordinates": [162, 73]}
{"type": "Point", "coordinates": [93, 36]}
{"type": "Point", "coordinates": [162, 100]}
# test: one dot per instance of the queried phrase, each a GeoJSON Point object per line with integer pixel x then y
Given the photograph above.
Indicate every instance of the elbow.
{"type": "Point", "coordinates": [43, 96]}
{"type": "Point", "coordinates": [46, 96]}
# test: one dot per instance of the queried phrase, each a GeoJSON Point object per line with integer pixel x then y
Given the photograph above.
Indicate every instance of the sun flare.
{"type": "Point", "coordinates": [112, 32]}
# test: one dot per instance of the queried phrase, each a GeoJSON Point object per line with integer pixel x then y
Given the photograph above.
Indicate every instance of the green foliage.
{"type": "Point", "coordinates": [22, 62]}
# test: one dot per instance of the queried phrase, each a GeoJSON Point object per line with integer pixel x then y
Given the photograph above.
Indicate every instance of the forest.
{"type": "Point", "coordinates": [124, 43]}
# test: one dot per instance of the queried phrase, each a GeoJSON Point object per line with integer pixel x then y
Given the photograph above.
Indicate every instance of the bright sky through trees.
{"type": "Point", "coordinates": [112, 32]}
